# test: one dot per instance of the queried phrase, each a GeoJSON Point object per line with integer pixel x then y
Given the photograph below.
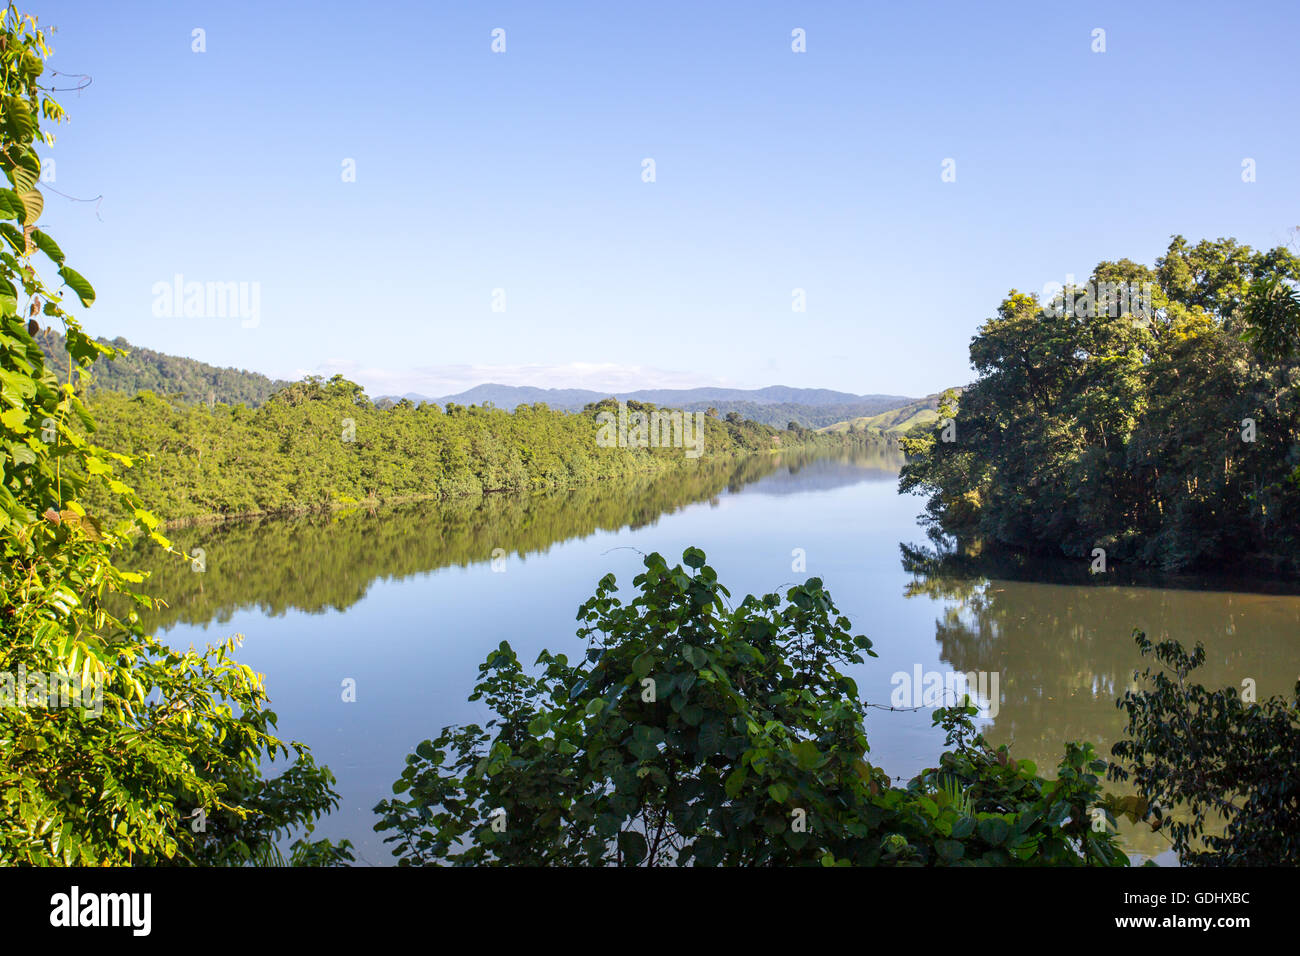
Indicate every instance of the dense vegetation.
{"type": "Point", "coordinates": [692, 731]}
{"type": "Point", "coordinates": [132, 369]}
{"type": "Point", "coordinates": [318, 444]}
{"type": "Point", "coordinates": [1171, 439]}
{"type": "Point", "coordinates": [695, 733]}
{"type": "Point", "coordinates": [164, 762]}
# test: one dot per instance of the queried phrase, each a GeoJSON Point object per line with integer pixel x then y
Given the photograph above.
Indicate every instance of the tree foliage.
{"type": "Point", "coordinates": [692, 733]}
{"type": "Point", "coordinates": [114, 774]}
{"type": "Point", "coordinates": [1220, 775]}
{"type": "Point", "coordinates": [1169, 437]}
{"type": "Point", "coordinates": [321, 444]}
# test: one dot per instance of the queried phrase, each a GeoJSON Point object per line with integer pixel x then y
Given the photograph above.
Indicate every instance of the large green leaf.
{"type": "Point", "coordinates": [19, 120]}
{"type": "Point", "coordinates": [47, 245]}
{"type": "Point", "coordinates": [711, 736]}
{"type": "Point", "coordinates": [25, 170]}
{"type": "Point", "coordinates": [993, 830]}
{"type": "Point", "coordinates": [807, 755]}
{"type": "Point", "coordinates": [77, 283]}
{"type": "Point", "coordinates": [633, 846]}
{"type": "Point", "coordinates": [33, 206]}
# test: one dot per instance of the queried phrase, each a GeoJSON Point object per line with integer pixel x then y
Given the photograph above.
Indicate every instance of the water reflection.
{"type": "Point", "coordinates": [324, 597]}
{"type": "Point", "coordinates": [327, 562]}
{"type": "Point", "coordinates": [1065, 651]}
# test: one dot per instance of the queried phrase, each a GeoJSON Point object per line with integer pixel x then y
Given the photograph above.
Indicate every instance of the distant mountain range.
{"type": "Point", "coordinates": [509, 396]}
{"type": "Point", "coordinates": [776, 405]}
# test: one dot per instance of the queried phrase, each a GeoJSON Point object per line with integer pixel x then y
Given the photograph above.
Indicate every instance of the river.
{"type": "Point", "coordinates": [403, 603]}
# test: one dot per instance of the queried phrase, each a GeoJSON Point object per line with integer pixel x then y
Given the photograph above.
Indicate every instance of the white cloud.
{"type": "Point", "coordinates": [438, 380]}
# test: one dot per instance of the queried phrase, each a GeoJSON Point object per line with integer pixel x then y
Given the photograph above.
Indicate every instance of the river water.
{"type": "Point", "coordinates": [402, 605]}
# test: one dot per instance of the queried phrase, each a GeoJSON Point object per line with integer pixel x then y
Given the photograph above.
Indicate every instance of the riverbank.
{"type": "Point", "coordinates": [376, 504]}
{"type": "Point", "coordinates": [316, 447]}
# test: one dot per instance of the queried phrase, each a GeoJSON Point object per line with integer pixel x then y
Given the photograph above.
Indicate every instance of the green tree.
{"type": "Point", "coordinates": [1164, 432]}
{"type": "Point", "coordinates": [694, 733]}
{"type": "Point", "coordinates": [1273, 318]}
{"type": "Point", "coordinates": [156, 755]}
{"type": "Point", "coordinates": [1220, 775]}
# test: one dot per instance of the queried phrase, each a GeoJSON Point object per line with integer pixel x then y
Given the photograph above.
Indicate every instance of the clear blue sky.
{"type": "Point", "coordinates": [523, 171]}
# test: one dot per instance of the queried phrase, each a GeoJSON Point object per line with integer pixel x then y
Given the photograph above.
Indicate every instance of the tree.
{"type": "Point", "coordinates": [1140, 424]}
{"type": "Point", "coordinates": [695, 733]}
{"type": "Point", "coordinates": [1219, 774]}
{"type": "Point", "coordinates": [114, 748]}
{"type": "Point", "coordinates": [1273, 318]}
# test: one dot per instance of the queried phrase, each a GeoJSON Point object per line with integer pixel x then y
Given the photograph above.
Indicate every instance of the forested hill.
{"type": "Point", "coordinates": [146, 370]}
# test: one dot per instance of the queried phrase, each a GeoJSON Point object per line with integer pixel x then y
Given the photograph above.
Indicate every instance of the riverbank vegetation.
{"type": "Point", "coordinates": [698, 732]}
{"type": "Point", "coordinates": [1167, 435]}
{"type": "Point", "coordinates": [318, 445]}
{"type": "Point", "coordinates": [693, 730]}
{"type": "Point", "coordinates": [114, 748]}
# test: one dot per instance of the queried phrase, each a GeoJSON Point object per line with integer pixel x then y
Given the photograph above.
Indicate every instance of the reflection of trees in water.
{"type": "Point", "coordinates": [1065, 651]}
{"type": "Point", "coordinates": [321, 562]}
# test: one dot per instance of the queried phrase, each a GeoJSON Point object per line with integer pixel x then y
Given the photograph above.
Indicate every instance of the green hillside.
{"type": "Point", "coordinates": [171, 375]}
{"type": "Point", "coordinates": [896, 421]}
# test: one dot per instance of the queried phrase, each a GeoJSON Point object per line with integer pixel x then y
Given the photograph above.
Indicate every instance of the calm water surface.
{"type": "Point", "coordinates": [406, 602]}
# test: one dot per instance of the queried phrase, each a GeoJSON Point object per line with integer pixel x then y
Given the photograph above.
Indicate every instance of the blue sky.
{"type": "Point", "coordinates": [522, 171]}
